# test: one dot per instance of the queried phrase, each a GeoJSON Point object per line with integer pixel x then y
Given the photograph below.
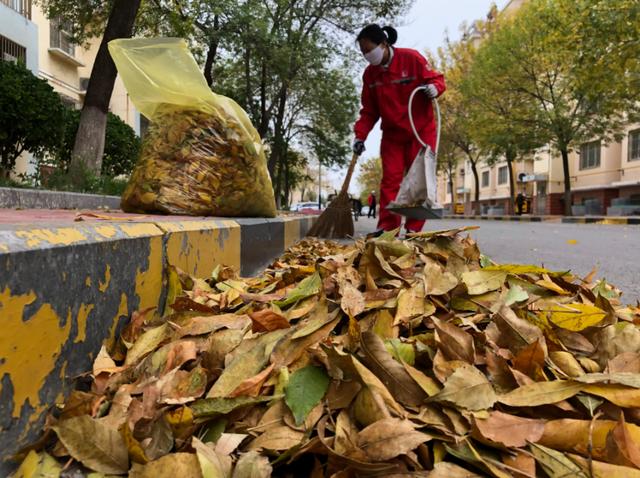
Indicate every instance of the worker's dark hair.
{"type": "Point", "coordinates": [378, 34]}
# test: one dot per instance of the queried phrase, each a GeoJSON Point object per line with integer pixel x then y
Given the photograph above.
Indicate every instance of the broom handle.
{"type": "Point", "coordinates": [347, 180]}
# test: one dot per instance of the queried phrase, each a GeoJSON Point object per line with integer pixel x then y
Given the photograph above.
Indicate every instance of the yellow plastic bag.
{"type": "Point", "coordinates": [201, 155]}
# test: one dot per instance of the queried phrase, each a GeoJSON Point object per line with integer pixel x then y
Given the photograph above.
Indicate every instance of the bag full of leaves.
{"type": "Point", "coordinates": [201, 155]}
{"type": "Point", "coordinates": [384, 358]}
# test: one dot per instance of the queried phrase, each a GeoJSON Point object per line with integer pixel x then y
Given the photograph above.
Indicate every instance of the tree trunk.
{"type": "Point", "coordinates": [264, 116]}
{"type": "Point", "coordinates": [212, 52]}
{"type": "Point", "coordinates": [476, 192]}
{"type": "Point", "coordinates": [89, 143]}
{"type": "Point", "coordinates": [567, 181]}
{"type": "Point", "coordinates": [512, 188]}
{"type": "Point", "coordinates": [453, 196]}
{"type": "Point", "coordinates": [278, 132]}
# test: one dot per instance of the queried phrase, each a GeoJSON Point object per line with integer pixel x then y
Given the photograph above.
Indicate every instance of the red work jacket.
{"type": "Point", "coordinates": [385, 95]}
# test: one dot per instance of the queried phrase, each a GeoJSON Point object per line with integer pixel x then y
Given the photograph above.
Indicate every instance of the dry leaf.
{"type": "Point", "coordinates": [468, 388]}
{"type": "Point", "coordinates": [508, 430]}
{"type": "Point", "coordinates": [390, 437]}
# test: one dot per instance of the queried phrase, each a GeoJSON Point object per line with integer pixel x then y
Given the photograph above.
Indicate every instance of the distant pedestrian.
{"type": "Point", "coordinates": [358, 206]}
{"type": "Point", "coordinates": [373, 202]}
{"type": "Point", "coordinates": [519, 203]}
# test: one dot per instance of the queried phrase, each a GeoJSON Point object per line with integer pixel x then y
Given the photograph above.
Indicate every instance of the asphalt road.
{"type": "Point", "coordinates": [613, 250]}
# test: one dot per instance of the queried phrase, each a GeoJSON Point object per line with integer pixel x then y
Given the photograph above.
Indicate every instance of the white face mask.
{"type": "Point", "coordinates": [374, 57]}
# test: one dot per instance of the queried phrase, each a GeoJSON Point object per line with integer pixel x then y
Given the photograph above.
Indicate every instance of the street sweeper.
{"type": "Point", "coordinates": [394, 80]}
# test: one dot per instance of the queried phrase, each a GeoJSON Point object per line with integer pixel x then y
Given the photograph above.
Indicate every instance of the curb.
{"type": "Point", "coordinates": [633, 220]}
{"type": "Point", "coordinates": [44, 199]}
{"type": "Point", "coordinates": [67, 287]}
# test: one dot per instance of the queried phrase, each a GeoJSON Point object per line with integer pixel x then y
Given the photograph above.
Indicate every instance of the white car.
{"type": "Point", "coordinates": [306, 205]}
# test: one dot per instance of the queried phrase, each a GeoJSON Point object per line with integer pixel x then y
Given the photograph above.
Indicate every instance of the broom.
{"type": "Point", "coordinates": [336, 222]}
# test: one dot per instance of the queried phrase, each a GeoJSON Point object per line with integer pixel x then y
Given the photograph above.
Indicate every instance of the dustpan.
{"type": "Point", "coordinates": [417, 198]}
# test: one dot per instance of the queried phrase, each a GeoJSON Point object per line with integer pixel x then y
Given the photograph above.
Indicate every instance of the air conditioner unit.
{"type": "Point", "coordinates": [84, 84]}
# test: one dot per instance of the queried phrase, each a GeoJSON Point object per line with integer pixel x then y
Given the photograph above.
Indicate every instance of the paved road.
{"type": "Point", "coordinates": [614, 250]}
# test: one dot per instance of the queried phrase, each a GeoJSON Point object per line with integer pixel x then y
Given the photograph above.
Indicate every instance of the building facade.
{"type": "Point", "coordinates": [605, 178]}
{"type": "Point", "coordinates": [45, 47]}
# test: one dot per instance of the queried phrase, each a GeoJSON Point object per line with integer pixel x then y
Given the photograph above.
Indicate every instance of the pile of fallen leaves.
{"type": "Point", "coordinates": [418, 357]}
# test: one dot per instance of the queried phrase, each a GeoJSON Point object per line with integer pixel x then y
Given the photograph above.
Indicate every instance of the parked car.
{"type": "Point", "coordinates": [307, 208]}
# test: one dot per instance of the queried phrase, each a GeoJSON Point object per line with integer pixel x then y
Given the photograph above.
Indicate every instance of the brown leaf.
{"type": "Point", "coordinates": [341, 394]}
{"type": "Point", "coordinates": [585, 437]}
{"type": "Point", "coordinates": [521, 461]}
{"type": "Point", "coordinates": [267, 320]}
{"type": "Point", "coordinates": [174, 464]}
{"type": "Point", "coordinates": [252, 386]}
{"type": "Point", "coordinates": [390, 437]}
{"type": "Point", "coordinates": [352, 302]}
{"type": "Point", "coordinates": [622, 449]}
{"type": "Point", "coordinates": [624, 362]}
{"type": "Point", "coordinates": [530, 359]}
{"type": "Point", "coordinates": [499, 372]}
{"type": "Point", "coordinates": [509, 331]}
{"type": "Point", "coordinates": [436, 280]}
{"type": "Point", "coordinates": [508, 430]}
{"type": "Point", "coordinates": [180, 387]}
{"type": "Point", "coordinates": [94, 444]}
{"type": "Point", "coordinates": [278, 438]}
{"type": "Point", "coordinates": [210, 323]}
{"type": "Point", "coordinates": [454, 342]}
{"type": "Point", "coordinates": [391, 372]}
{"type": "Point", "coordinates": [468, 388]}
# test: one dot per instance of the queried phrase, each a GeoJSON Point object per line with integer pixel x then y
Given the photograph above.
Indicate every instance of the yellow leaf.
{"type": "Point", "coordinates": [479, 282]}
{"type": "Point", "coordinates": [620, 395]}
{"type": "Point", "coordinates": [541, 393]}
{"type": "Point", "coordinates": [574, 316]}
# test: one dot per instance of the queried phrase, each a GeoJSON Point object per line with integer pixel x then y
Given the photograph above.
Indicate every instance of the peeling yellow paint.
{"type": "Point", "coordinates": [102, 286]}
{"type": "Point", "coordinates": [83, 315]}
{"type": "Point", "coordinates": [29, 348]}
{"type": "Point", "coordinates": [87, 281]}
{"type": "Point", "coordinates": [291, 232]}
{"type": "Point", "coordinates": [106, 231]}
{"type": "Point", "coordinates": [197, 251]}
{"type": "Point", "coordinates": [149, 282]}
{"type": "Point", "coordinates": [61, 236]}
{"type": "Point", "coordinates": [139, 229]}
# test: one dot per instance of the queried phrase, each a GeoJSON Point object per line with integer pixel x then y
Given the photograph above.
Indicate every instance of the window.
{"type": "Point", "coordinates": [11, 51]}
{"type": "Point", "coordinates": [590, 155]}
{"type": "Point", "coordinates": [23, 7]}
{"type": "Point", "coordinates": [60, 36]}
{"type": "Point", "coordinates": [503, 175]}
{"type": "Point", "coordinates": [634, 145]}
{"type": "Point", "coordinates": [485, 179]}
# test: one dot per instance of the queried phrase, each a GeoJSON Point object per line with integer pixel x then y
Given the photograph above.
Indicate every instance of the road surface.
{"type": "Point", "coordinates": [613, 250]}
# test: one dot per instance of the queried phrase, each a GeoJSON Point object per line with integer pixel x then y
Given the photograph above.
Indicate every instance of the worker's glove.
{"type": "Point", "coordinates": [431, 91]}
{"type": "Point", "coordinates": [358, 146]}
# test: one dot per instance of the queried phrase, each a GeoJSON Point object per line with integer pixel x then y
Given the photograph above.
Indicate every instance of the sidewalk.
{"type": "Point", "coordinates": [615, 220]}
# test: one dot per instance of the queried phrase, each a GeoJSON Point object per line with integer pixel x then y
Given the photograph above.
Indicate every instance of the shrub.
{"type": "Point", "coordinates": [31, 116]}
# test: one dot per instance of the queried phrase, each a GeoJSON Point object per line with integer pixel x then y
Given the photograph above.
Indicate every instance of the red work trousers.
{"type": "Point", "coordinates": [397, 157]}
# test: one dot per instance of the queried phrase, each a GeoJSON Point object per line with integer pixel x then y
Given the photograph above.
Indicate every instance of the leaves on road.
{"type": "Point", "coordinates": [378, 358]}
